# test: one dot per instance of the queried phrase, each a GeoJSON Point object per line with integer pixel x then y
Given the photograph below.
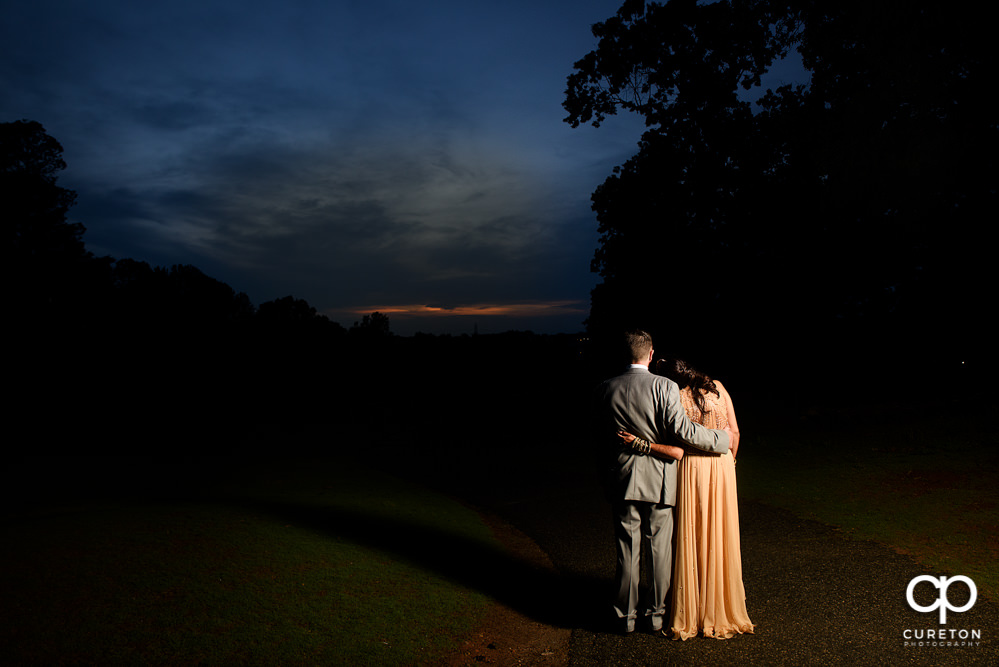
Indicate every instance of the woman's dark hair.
{"type": "Point", "coordinates": [685, 375]}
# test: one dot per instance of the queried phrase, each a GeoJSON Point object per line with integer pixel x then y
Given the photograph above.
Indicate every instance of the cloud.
{"type": "Point", "coordinates": [346, 153]}
{"type": "Point", "coordinates": [417, 214]}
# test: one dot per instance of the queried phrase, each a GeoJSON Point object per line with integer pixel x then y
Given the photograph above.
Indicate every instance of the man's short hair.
{"type": "Point", "coordinates": [638, 344]}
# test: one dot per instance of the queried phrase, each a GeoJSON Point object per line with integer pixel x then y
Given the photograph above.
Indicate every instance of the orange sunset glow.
{"type": "Point", "coordinates": [535, 309]}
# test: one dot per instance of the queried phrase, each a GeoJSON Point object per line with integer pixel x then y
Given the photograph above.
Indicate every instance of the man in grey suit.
{"type": "Point", "coordinates": [642, 486]}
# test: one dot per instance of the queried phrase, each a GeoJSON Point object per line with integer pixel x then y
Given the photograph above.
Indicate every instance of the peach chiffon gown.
{"type": "Point", "coordinates": [709, 597]}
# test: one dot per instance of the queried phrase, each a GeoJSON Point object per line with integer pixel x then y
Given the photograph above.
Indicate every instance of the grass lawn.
{"type": "Point", "coordinates": [329, 563]}
{"type": "Point", "coordinates": [927, 487]}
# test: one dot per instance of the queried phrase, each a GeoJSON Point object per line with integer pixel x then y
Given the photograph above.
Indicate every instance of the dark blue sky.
{"type": "Point", "coordinates": [403, 157]}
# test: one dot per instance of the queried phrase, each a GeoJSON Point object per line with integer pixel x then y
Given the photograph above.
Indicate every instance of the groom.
{"type": "Point", "coordinates": [642, 487]}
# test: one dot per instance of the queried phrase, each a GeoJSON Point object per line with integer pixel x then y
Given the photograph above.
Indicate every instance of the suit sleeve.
{"type": "Point", "coordinates": [695, 435]}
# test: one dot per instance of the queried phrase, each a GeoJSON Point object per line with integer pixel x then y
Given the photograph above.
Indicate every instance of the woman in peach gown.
{"type": "Point", "coordinates": [708, 593]}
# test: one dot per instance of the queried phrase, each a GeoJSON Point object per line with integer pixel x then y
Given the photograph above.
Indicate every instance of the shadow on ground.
{"type": "Point", "coordinates": [489, 568]}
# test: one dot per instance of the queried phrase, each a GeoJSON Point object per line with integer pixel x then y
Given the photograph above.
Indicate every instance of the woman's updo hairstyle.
{"type": "Point", "coordinates": [685, 375]}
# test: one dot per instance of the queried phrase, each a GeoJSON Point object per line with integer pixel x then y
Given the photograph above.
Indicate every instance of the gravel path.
{"type": "Point", "coordinates": [815, 596]}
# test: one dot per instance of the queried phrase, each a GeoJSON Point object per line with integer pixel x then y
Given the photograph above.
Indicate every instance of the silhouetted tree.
{"type": "Point", "coordinates": [197, 297]}
{"type": "Point", "coordinates": [298, 361]}
{"type": "Point", "coordinates": [44, 257]}
{"type": "Point", "coordinates": [835, 215]}
{"type": "Point", "coordinates": [296, 315]}
{"type": "Point", "coordinates": [375, 325]}
{"type": "Point", "coordinates": [176, 318]}
{"type": "Point", "coordinates": [287, 309]}
{"type": "Point", "coordinates": [295, 328]}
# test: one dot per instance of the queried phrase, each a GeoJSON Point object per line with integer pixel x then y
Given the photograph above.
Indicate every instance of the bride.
{"type": "Point", "coordinates": [708, 593]}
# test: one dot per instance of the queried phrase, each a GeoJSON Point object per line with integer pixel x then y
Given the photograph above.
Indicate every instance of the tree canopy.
{"type": "Point", "coordinates": [840, 211]}
{"type": "Point", "coordinates": [43, 253]}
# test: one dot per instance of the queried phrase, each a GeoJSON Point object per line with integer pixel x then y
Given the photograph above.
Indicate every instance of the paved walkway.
{"type": "Point", "coordinates": [815, 596]}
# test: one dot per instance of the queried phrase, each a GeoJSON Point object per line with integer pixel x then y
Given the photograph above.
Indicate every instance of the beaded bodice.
{"type": "Point", "coordinates": [715, 415]}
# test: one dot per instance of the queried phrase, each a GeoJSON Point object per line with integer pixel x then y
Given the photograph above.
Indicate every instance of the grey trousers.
{"type": "Point", "coordinates": [634, 523]}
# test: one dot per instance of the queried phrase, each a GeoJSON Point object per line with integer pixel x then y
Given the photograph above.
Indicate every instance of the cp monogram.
{"type": "Point", "coordinates": [942, 602]}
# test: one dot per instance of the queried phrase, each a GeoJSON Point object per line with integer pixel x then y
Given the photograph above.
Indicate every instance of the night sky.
{"type": "Point", "coordinates": [403, 157]}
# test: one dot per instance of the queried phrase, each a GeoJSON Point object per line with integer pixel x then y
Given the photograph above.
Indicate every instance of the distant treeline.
{"type": "Point", "coordinates": [114, 354]}
{"type": "Point", "coordinates": [173, 355]}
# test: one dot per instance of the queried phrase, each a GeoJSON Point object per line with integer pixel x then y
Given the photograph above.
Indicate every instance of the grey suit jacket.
{"type": "Point", "coordinates": [648, 406]}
